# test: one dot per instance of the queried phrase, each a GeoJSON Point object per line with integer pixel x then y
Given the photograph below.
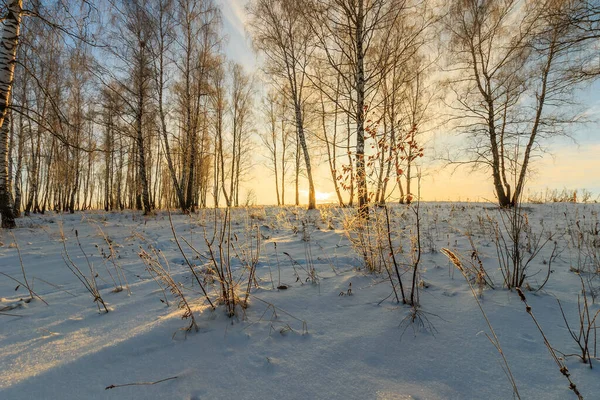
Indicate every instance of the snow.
{"type": "Point", "coordinates": [306, 342]}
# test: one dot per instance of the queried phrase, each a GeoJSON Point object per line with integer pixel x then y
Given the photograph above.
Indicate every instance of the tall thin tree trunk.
{"type": "Point", "coordinates": [297, 170]}
{"type": "Point", "coordinates": [331, 148]}
{"type": "Point", "coordinates": [361, 177]}
{"type": "Point", "coordinates": [6, 201]}
{"type": "Point", "coordinates": [302, 139]}
{"type": "Point", "coordinates": [18, 169]}
{"type": "Point", "coordinates": [9, 40]}
{"type": "Point", "coordinates": [284, 144]}
{"type": "Point", "coordinates": [350, 162]}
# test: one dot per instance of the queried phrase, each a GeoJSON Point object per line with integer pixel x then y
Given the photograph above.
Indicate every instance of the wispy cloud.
{"type": "Point", "coordinates": [234, 12]}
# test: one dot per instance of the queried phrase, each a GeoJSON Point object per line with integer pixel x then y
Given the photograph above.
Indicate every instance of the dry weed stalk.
{"type": "Point", "coordinates": [189, 264]}
{"type": "Point", "coordinates": [587, 326]}
{"type": "Point", "coordinates": [25, 283]}
{"type": "Point", "coordinates": [248, 252]}
{"type": "Point", "coordinates": [494, 338]}
{"type": "Point", "coordinates": [219, 248]}
{"type": "Point", "coordinates": [475, 270]}
{"type": "Point", "coordinates": [88, 282]}
{"type": "Point", "coordinates": [517, 245]}
{"type": "Point", "coordinates": [371, 239]}
{"type": "Point", "coordinates": [221, 261]}
{"type": "Point", "coordinates": [113, 258]}
{"type": "Point", "coordinates": [561, 366]}
{"type": "Point", "coordinates": [309, 271]}
{"type": "Point", "coordinates": [154, 266]}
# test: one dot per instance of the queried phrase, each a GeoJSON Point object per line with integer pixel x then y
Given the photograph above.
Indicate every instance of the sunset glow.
{"type": "Point", "coordinates": [322, 197]}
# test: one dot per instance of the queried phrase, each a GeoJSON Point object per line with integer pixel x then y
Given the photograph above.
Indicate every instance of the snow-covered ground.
{"type": "Point", "coordinates": [309, 341]}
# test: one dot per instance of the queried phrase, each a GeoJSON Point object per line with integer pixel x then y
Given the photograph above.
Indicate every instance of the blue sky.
{"type": "Point", "coordinates": [238, 47]}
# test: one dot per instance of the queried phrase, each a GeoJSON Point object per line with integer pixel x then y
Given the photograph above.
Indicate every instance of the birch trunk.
{"type": "Point", "coordinates": [361, 177]}
{"type": "Point", "coordinates": [8, 51]}
{"type": "Point", "coordinates": [6, 201]}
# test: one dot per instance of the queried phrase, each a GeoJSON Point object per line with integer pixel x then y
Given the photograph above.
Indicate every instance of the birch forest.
{"type": "Point", "coordinates": [133, 104]}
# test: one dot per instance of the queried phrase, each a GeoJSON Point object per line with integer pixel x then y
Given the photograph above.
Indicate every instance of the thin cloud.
{"type": "Point", "coordinates": [234, 12]}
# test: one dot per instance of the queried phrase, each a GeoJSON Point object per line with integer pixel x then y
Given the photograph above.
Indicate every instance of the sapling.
{"type": "Point", "coordinates": [416, 250]}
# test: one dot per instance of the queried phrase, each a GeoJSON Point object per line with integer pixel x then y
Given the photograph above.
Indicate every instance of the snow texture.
{"type": "Point", "coordinates": [306, 342]}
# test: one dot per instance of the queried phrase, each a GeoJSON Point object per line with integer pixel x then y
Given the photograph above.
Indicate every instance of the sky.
{"type": "Point", "coordinates": [569, 164]}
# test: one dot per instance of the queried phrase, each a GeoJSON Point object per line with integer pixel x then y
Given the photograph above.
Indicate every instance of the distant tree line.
{"type": "Point", "coordinates": [132, 104]}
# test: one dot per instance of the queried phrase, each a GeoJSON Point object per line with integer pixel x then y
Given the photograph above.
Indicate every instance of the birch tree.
{"type": "Point", "coordinates": [163, 14]}
{"type": "Point", "coordinates": [241, 101]}
{"type": "Point", "coordinates": [9, 39]}
{"type": "Point", "coordinates": [280, 33]}
{"type": "Point", "coordinates": [513, 87]}
{"type": "Point", "coordinates": [353, 37]}
{"type": "Point", "coordinates": [270, 137]}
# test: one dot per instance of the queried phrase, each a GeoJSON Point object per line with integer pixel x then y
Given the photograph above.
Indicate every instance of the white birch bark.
{"type": "Point", "coordinates": [9, 40]}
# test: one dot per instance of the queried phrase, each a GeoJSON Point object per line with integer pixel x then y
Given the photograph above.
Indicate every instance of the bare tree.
{"type": "Point", "coordinates": [241, 101]}
{"type": "Point", "coordinates": [163, 14]}
{"type": "Point", "coordinates": [512, 83]}
{"type": "Point", "coordinates": [270, 137]}
{"type": "Point", "coordinates": [78, 78]}
{"type": "Point", "coordinates": [353, 39]}
{"type": "Point", "coordinates": [219, 104]}
{"type": "Point", "coordinates": [329, 112]}
{"type": "Point", "coordinates": [11, 23]}
{"type": "Point", "coordinates": [199, 22]}
{"type": "Point", "coordinates": [279, 32]}
{"type": "Point", "coordinates": [133, 73]}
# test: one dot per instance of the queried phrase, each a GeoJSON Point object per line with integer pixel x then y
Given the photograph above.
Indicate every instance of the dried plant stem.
{"type": "Point", "coordinates": [494, 338]}
{"type": "Point", "coordinates": [278, 266]}
{"type": "Point", "coordinates": [140, 383]}
{"type": "Point", "coordinates": [22, 284]}
{"type": "Point", "coordinates": [254, 258]}
{"type": "Point", "coordinates": [188, 262]}
{"type": "Point", "coordinates": [113, 259]}
{"type": "Point", "coordinates": [587, 323]}
{"type": "Point", "coordinates": [32, 294]}
{"type": "Point", "coordinates": [417, 260]}
{"type": "Point", "coordinates": [561, 366]}
{"type": "Point", "coordinates": [392, 253]}
{"type": "Point", "coordinates": [88, 283]}
{"type": "Point", "coordinates": [155, 265]}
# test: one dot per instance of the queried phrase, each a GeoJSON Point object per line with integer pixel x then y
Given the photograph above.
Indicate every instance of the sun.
{"type": "Point", "coordinates": [321, 196]}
